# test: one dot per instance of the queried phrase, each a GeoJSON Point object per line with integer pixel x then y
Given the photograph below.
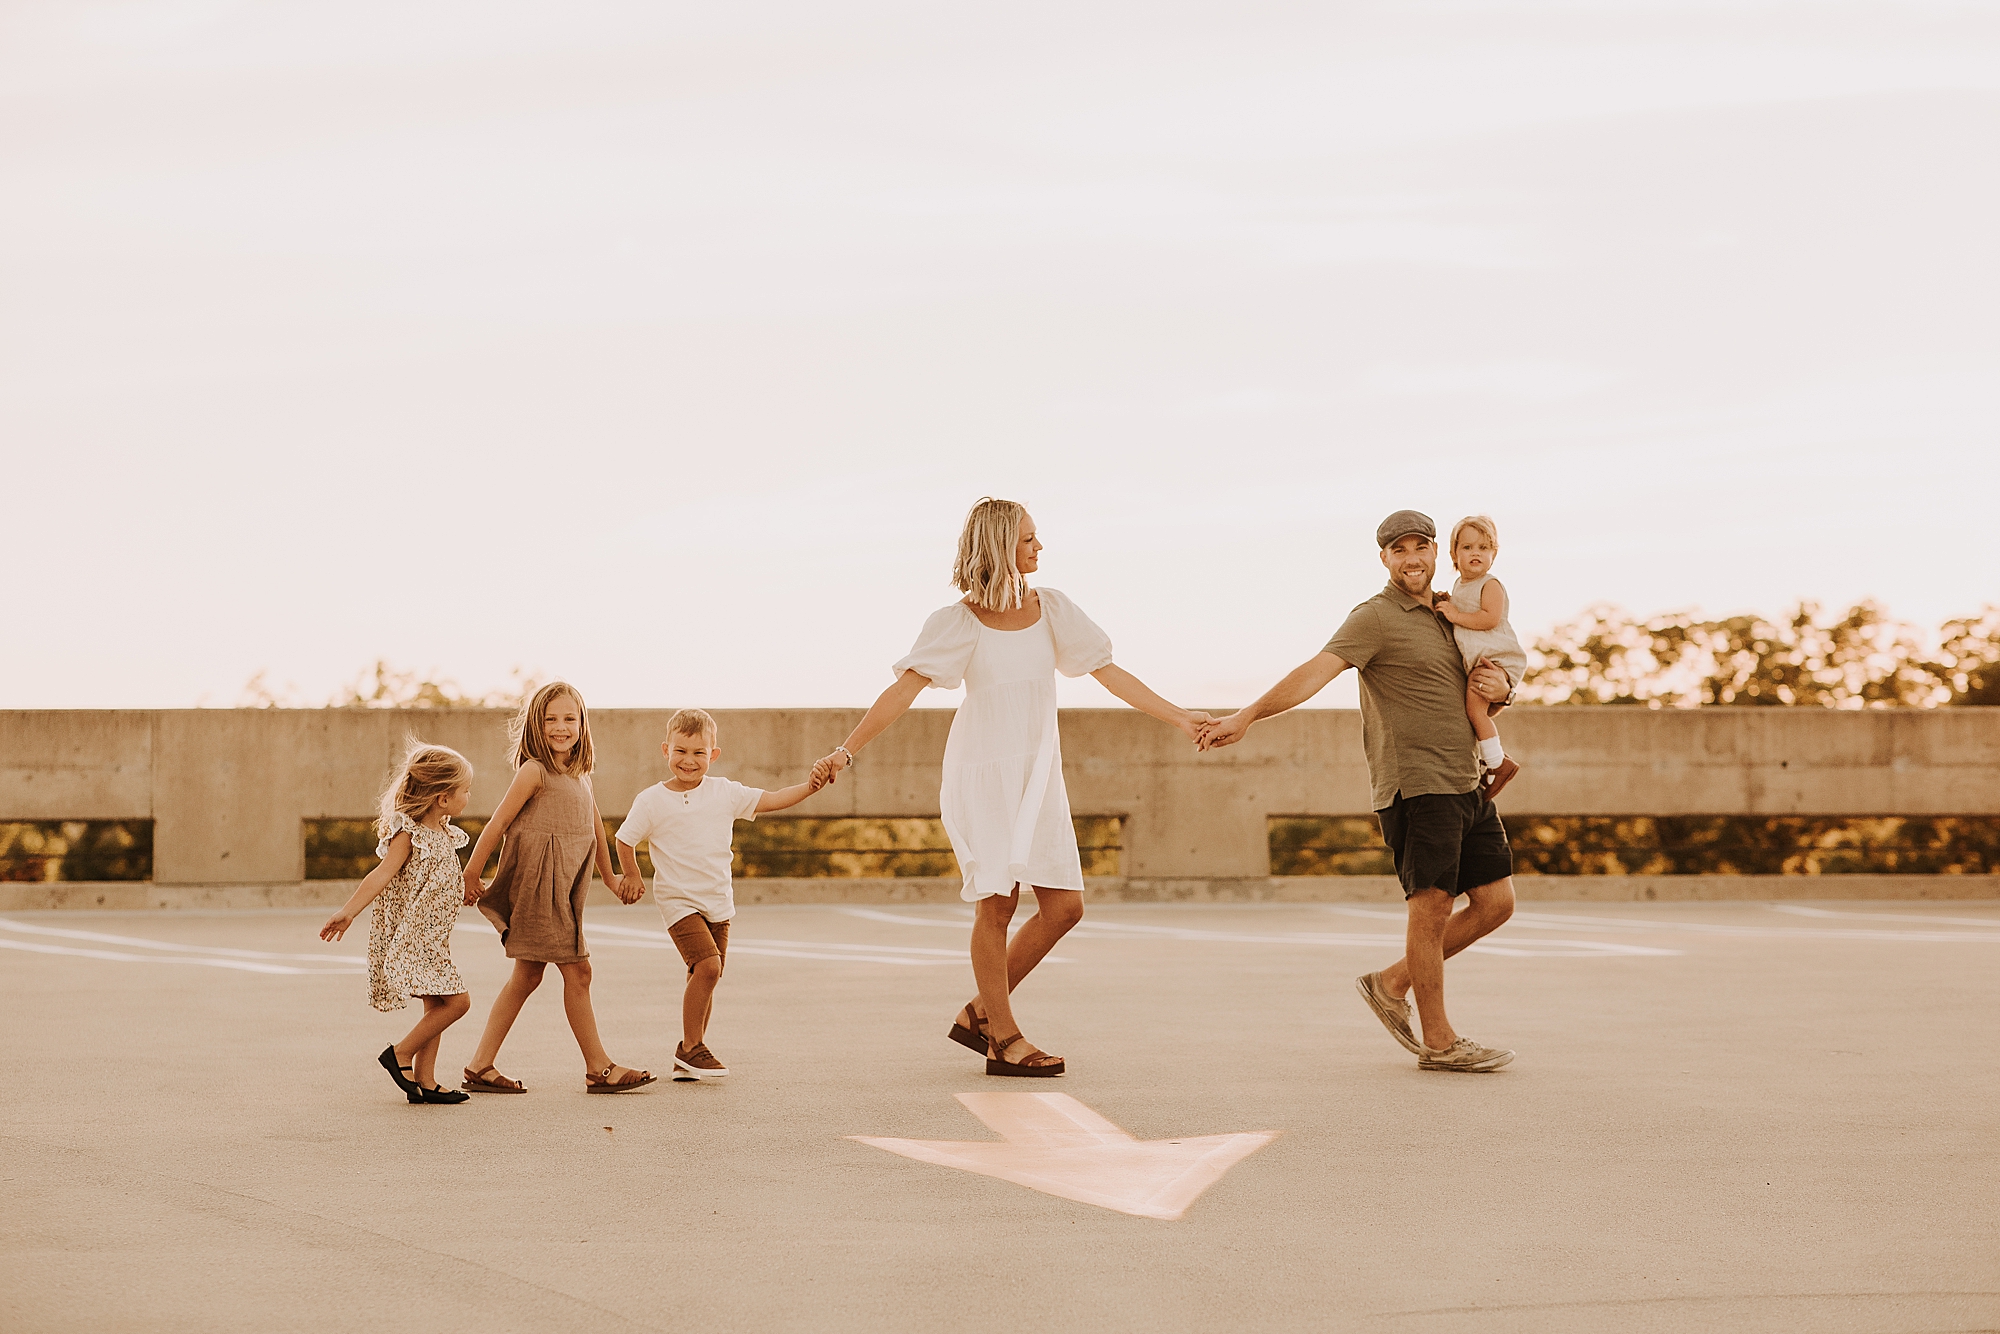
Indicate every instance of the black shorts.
{"type": "Point", "coordinates": [1452, 841]}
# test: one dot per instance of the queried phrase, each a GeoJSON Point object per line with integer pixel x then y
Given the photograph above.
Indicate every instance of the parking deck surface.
{"type": "Point", "coordinates": [1723, 1116]}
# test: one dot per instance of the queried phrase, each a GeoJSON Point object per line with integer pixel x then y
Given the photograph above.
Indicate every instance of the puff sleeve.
{"type": "Point", "coordinates": [943, 648]}
{"type": "Point", "coordinates": [1081, 647]}
{"type": "Point", "coordinates": [398, 822]}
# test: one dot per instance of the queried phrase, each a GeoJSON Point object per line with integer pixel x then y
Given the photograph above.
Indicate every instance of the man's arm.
{"type": "Point", "coordinates": [1300, 684]}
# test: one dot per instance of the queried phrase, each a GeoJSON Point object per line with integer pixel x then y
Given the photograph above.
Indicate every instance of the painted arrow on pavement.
{"type": "Point", "coordinates": [1052, 1143]}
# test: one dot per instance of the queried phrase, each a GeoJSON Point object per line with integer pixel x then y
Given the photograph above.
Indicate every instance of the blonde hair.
{"type": "Point", "coordinates": [426, 773]}
{"type": "Point", "coordinates": [1479, 523]}
{"type": "Point", "coordinates": [525, 739]}
{"type": "Point", "coordinates": [691, 722]}
{"type": "Point", "coordinates": [985, 565]}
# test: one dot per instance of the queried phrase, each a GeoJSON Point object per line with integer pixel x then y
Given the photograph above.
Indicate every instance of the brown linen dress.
{"type": "Point", "coordinates": [536, 899]}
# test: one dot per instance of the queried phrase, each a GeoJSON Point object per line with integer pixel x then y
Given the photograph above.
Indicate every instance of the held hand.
{"type": "Point", "coordinates": [822, 774]}
{"type": "Point", "coordinates": [1224, 731]}
{"type": "Point", "coordinates": [630, 888]}
{"type": "Point", "coordinates": [336, 925]}
{"type": "Point", "coordinates": [475, 888]}
{"type": "Point", "coordinates": [1193, 724]}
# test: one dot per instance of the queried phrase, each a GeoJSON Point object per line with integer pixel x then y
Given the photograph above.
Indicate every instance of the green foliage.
{"type": "Point", "coordinates": [345, 849]}
{"type": "Point", "coordinates": [384, 687]}
{"type": "Point", "coordinates": [1863, 660]}
{"type": "Point", "coordinates": [773, 846]}
{"type": "Point", "coordinates": [43, 850]}
{"type": "Point", "coordinates": [1672, 845]}
{"type": "Point", "coordinates": [1327, 845]}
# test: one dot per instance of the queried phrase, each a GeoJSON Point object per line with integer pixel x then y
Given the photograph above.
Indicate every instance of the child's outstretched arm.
{"type": "Point", "coordinates": [371, 885]}
{"type": "Point", "coordinates": [777, 799]}
{"type": "Point", "coordinates": [607, 871]}
{"type": "Point", "coordinates": [527, 782]}
{"type": "Point", "coordinates": [1491, 598]}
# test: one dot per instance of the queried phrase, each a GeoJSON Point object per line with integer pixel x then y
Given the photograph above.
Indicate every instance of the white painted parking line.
{"type": "Point", "coordinates": [1094, 929]}
{"type": "Point", "coordinates": [115, 956]}
{"type": "Point", "coordinates": [835, 952]}
{"type": "Point", "coordinates": [167, 951]}
{"type": "Point", "coordinates": [1801, 910]}
{"type": "Point", "coordinates": [1546, 921]}
{"type": "Point", "coordinates": [142, 942]}
{"type": "Point", "coordinates": [1052, 1143]}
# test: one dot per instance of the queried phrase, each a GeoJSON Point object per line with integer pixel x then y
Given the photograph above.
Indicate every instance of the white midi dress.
{"type": "Point", "coordinates": [1005, 808]}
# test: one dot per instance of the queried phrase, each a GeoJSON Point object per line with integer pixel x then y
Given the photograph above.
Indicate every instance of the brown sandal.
{"type": "Point", "coordinates": [477, 1081]}
{"type": "Point", "coordinates": [969, 1030]}
{"type": "Point", "coordinates": [602, 1082]}
{"type": "Point", "coordinates": [1037, 1065]}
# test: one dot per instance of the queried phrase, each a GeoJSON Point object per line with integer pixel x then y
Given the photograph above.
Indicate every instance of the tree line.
{"type": "Point", "coordinates": [1866, 659]}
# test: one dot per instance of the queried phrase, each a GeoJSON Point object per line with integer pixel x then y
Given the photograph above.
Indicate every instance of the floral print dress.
{"type": "Point", "coordinates": [409, 943]}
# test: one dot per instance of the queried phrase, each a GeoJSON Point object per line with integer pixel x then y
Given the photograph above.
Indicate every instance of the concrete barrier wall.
{"type": "Point", "coordinates": [227, 789]}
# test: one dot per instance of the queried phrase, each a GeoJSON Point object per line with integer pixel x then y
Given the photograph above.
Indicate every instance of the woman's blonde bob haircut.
{"type": "Point", "coordinates": [426, 773]}
{"type": "Point", "coordinates": [1479, 523]}
{"type": "Point", "coordinates": [985, 565]}
{"type": "Point", "coordinates": [525, 739]}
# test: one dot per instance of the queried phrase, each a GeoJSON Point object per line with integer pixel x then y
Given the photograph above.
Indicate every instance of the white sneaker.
{"type": "Point", "coordinates": [1465, 1055]}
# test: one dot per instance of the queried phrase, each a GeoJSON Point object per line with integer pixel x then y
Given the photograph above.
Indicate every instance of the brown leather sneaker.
{"type": "Point", "coordinates": [1498, 778]}
{"type": "Point", "coordinates": [697, 1064]}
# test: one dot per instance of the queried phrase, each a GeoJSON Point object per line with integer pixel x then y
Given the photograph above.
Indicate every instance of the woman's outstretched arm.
{"type": "Point", "coordinates": [890, 705]}
{"type": "Point", "coordinates": [1142, 697]}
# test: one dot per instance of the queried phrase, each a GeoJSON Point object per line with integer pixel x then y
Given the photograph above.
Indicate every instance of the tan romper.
{"type": "Point", "coordinates": [537, 895]}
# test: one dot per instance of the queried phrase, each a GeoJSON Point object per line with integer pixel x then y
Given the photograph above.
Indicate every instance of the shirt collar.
{"type": "Point", "coordinates": [1404, 600]}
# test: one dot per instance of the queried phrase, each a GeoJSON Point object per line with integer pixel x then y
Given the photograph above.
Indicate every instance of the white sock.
{"type": "Point", "coordinates": [1490, 753]}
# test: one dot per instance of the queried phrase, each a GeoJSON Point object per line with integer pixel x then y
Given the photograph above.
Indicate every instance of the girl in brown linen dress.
{"type": "Point", "coordinates": [549, 819]}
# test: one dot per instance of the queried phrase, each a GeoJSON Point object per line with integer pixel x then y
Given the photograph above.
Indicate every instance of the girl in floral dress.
{"type": "Point", "coordinates": [417, 892]}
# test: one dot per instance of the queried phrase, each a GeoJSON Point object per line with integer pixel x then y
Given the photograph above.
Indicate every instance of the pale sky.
{"type": "Point", "coordinates": [663, 346]}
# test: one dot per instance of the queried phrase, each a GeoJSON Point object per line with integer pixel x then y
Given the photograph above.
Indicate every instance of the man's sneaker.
{"type": "Point", "coordinates": [1464, 1054]}
{"type": "Point", "coordinates": [697, 1064]}
{"type": "Point", "coordinates": [1394, 1014]}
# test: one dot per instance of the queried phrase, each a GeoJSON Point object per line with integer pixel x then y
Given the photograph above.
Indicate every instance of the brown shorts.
{"type": "Point", "coordinates": [697, 938]}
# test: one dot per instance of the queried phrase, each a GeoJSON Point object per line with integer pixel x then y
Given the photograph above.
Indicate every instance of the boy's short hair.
{"type": "Point", "coordinates": [691, 722]}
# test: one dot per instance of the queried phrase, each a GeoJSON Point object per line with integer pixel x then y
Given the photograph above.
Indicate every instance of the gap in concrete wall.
{"type": "Point", "coordinates": [852, 847]}
{"type": "Point", "coordinates": [45, 850]}
{"type": "Point", "coordinates": [1673, 845]}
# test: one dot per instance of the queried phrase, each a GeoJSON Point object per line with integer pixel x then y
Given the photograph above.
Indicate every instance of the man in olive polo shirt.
{"type": "Point", "coordinates": [1440, 826]}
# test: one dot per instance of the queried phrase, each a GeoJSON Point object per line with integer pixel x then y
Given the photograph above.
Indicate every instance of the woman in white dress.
{"type": "Point", "coordinates": [1004, 805]}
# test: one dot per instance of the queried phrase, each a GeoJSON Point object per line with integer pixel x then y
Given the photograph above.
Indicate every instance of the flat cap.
{"type": "Point", "coordinates": [1401, 524]}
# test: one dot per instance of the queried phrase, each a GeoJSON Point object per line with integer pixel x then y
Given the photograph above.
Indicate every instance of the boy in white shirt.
{"type": "Point", "coordinates": [689, 820]}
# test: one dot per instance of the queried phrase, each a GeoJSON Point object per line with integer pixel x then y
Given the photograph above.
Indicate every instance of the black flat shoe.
{"type": "Point", "coordinates": [411, 1089]}
{"type": "Point", "coordinates": [444, 1095]}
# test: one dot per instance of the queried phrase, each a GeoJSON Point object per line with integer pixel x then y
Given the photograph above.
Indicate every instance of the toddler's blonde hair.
{"type": "Point", "coordinates": [985, 564]}
{"type": "Point", "coordinates": [1479, 523]}
{"type": "Point", "coordinates": [525, 739]}
{"type": "Point", "coordinates": [691, 722]}
{"type": "Point", "coordinates": [426, 773]}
